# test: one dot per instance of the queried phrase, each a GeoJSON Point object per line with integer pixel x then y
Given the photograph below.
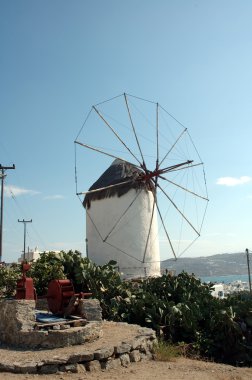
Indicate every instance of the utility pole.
{"type": "Point", "coordinates": [247, 253]}
{"type": "Point", "coordinates": [2, 175]}
{"type": "Point", "coordinates": [24, 221]}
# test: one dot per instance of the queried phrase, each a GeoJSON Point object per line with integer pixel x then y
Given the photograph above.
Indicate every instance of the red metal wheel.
{"type": "Point", "coordinates": [59, 295]}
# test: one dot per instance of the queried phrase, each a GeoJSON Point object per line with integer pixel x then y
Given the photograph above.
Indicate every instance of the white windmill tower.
{"type": "Point", "coordinates": [117, 231]}
{"type": "Point", "coordinates": [151, 201]}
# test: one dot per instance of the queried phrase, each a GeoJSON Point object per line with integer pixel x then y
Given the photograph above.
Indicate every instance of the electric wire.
{"type": "Point", "coordinates": [134, 131]}
{"type": "Point", "coordinates": [24, 213]}
{"type": "Point", "coordinates": [117, 135]}
{"type": "Point", "coordinates": [123, 214]}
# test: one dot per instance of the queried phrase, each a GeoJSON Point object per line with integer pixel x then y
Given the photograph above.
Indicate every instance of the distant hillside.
{"type": "Point", "coordinates": [216, 265]}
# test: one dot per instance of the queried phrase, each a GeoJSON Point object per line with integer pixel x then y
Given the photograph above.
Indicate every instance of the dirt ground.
{"type": "Point", "coordinates": [179, 369]}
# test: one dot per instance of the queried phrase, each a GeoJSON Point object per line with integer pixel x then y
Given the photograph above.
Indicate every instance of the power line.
{"type": "Point", "coordinates": [24, 222]}
{"type": "Point", "coordinates": [19, 206]}
{"type": "Point", "coordinates": [3, 168]}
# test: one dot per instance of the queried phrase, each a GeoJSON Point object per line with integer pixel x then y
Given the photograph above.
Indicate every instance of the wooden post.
{"type": "Point", "coordinates": [247, 252]}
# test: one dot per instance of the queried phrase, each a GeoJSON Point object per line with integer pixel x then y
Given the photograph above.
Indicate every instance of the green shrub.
{"type": "Point", "coordinates": [8, 279]}
{"type": "Point", "coordinates": [166, 352]}
{"type": "Point", "coordinates": [179, 308]}
{"type": "Point", "coordinates": [48, 267]}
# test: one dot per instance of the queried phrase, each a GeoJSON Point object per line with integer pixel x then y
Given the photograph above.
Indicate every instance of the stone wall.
{"type": "Point", "coordinates": [18, 322]}
{"type": "Point", "coordinates": [107, 357]}
{"type": "Point", "coordinates": [90, 309]}
{"type": "Point", "coordinates": [16, 316]}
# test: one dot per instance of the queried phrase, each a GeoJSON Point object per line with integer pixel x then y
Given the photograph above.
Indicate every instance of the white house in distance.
{"type": "Point", "coordinates": [118, 221]}
{"type": "Point", "coordinates": [218, 291]}
{"type": "Point", "coordinates": [33, 254]}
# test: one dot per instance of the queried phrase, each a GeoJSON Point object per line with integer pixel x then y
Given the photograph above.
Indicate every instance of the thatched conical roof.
{"type": "Point", "coordinates": [119, 171]}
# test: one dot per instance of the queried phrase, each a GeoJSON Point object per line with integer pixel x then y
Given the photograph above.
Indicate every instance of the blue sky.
{"type": "Point", "coordinates": [59, 57]}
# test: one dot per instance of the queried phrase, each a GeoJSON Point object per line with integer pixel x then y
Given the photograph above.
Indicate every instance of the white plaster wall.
{"type": "Point", "coordinates": [126, 243]}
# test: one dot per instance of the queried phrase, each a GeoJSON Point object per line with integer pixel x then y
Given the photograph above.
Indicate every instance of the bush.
{"type": "Point", "coordinates": [166, 352]}
{"type": "Point", "coordinates": [179, 308]}
{"type": "Point", "coordinates": [8, 279]}
{"type": "Point", "coordinates": [48, 267]}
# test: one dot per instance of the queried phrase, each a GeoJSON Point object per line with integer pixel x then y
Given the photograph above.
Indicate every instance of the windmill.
{"type": "Point", "coordinates": [150, 198]}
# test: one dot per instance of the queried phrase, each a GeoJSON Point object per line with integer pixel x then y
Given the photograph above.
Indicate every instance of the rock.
{"type": "Point", "coordinates": [48, 368]}
{"type": "Point", "coordinates": [80, 357]}
{"type": "Point", "coordinates": [22, 319]}
{"type": "Point", "coordinates": [135, 356]}
{"type": "Point", "coordinates": [143, 347]}
{"type": "Point", "coordinates": [81, 368]}
{"type": "Point", "coordinates": [90, 309]}
{"type": "Point", "coordinates": [111, 364]}
{"type": "Point", "coordinates": [103, 353]}
{"type": "Point", "coordinates": [5, 367]}
{"type": "Point", "coordinates": [64, 327]}
{"type": "Point", "coordinates": [145, 331]}
{"type": "Point", "coordinates": [146, 356]}
{"type": "Point", "coordinates": [56, 327]}
{"type": "Point", "coordinates": [73, 368]}
{"type": "Point", "coordinates": [79, 323]}
{"type": "Point", "coordinates": [122, 348]}
{"type": "Point", "coordinates": [137, 342]}
{"type": "Point", "coordinates": [93, 366]}
{"type": "Point", "coordinates": [125, 360]}
{"type": "Point", "coordinates": [55, 360]}
{"type": "Point", "coordinates": [26, 367]}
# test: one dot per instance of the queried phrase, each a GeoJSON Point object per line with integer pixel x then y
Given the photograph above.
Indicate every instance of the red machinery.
{"type": "Point", "coordinates": [61, 297]}
{"type": "Point", "coordinates": [25, 288]}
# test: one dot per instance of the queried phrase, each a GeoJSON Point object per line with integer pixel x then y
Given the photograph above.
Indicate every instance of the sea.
{"type": "Point", "coordinates": [225, 279]}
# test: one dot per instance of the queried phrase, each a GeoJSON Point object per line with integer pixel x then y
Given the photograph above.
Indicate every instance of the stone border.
{"type": "Point", "coordinates": [135, 350]}
{"type": "Point", "coordinates": [18, 326]}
